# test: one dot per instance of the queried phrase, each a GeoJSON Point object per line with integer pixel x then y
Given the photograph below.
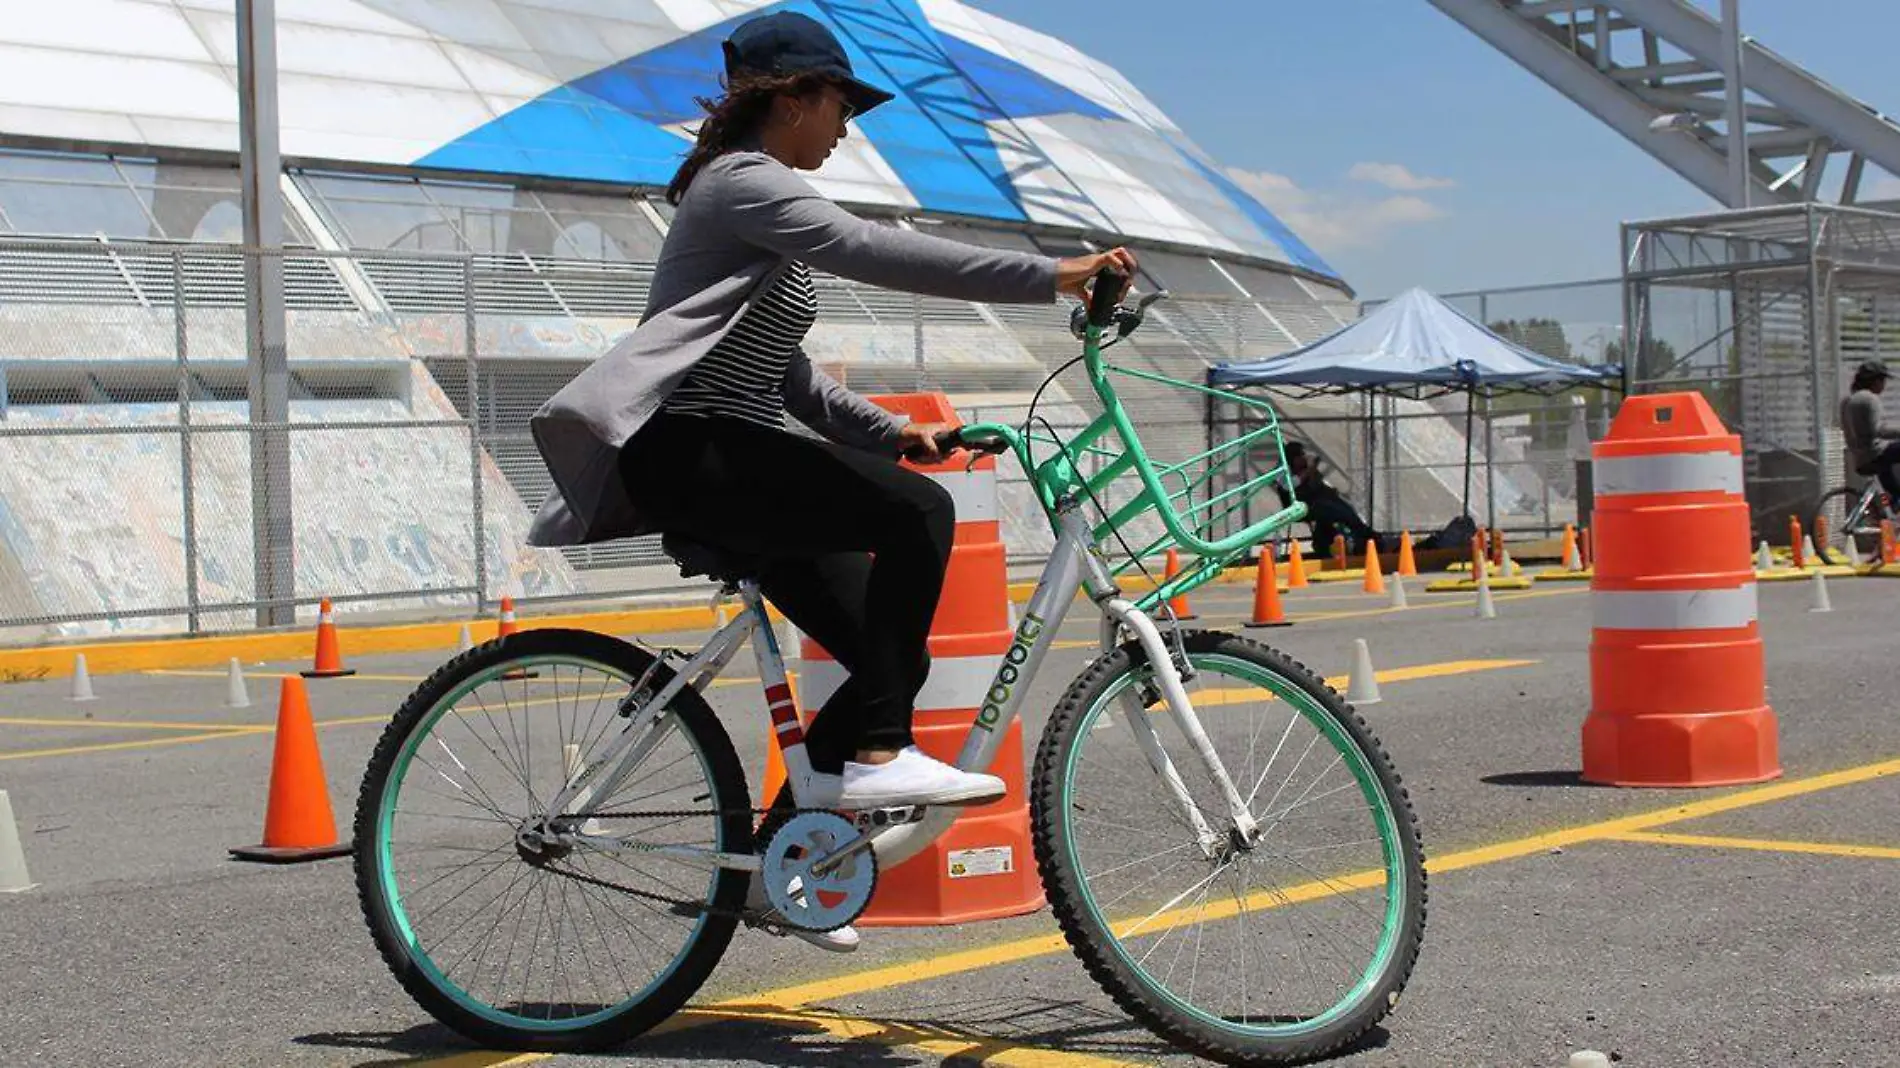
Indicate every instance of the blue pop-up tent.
{"type": "Point", "coordinates": [1415, 346]}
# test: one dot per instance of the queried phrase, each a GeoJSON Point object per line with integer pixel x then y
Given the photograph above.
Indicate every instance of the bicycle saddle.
{"type": "Point", "coordinates": [697, 558]}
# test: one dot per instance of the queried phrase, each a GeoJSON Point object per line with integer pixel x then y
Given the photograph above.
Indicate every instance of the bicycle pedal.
{"type": "Point", "coordinates": [889, 817]}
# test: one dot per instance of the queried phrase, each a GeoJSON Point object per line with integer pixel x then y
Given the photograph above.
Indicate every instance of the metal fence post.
{"type": "Point", "coordinates": [189, 501]}
{"type": "Point", "coordinates": [917, 341]}
{"type": "Point", "coordinates": [474, 434]}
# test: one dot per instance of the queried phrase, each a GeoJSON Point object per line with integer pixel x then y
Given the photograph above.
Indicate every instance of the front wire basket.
{"type": "Point", "coordinates": [1209, 504]}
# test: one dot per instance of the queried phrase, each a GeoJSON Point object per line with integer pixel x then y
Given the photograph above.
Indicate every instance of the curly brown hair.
{"type": "Point", "coordinates": [743, 107]}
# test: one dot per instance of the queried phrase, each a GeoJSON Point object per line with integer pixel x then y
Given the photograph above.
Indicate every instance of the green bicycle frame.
{"type": "Point", "coordinates": [1059, 479]}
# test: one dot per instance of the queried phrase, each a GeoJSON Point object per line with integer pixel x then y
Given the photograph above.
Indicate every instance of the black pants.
{"type": "Point", "coordinates": [1332, 516]}
{"type": "Point", "coordinates": [1886, 466]}
{"type": "Point", "coordinates": [853, 550]}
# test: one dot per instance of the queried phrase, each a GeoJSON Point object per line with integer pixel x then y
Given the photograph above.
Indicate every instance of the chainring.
{"type": "Point", "coordinates": [817, 902]}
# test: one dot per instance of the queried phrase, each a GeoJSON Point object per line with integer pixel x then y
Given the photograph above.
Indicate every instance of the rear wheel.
{"type": "Point", "coordinates": [1280, 949]}
{"type": "Point", "coordinates": [509, 924]}
{"type": "Point", "coordinates": [1836, 510]}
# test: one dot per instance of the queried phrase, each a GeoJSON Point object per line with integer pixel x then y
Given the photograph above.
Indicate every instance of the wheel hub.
{"type": "Point", "coordinates": [538, 843]}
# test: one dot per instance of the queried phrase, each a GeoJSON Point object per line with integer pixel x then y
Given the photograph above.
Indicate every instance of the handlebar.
{"type": "Point", "coordinates": [948, 441]}
{"type": "Point", "coordinates": [1105, 295]}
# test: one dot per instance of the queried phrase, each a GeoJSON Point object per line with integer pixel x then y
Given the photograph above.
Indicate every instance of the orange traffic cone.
{"type": "Point", "coordinates": [507, 626]}
{"type": "Point", "coordinates": [1375, 581]}
{"type": "Point", "coordinates": [1570, 560]}
{"type": "Point", "coordinates": [1266, 593]}
{"type": "Point", "coordinates": [1407, 564]}
{"type": "Point", "coordinates": [1583, 537]}
{"type": "Point", "coordinates": [1179, 603]}
{"type": "Point", "coordinates": [1794, 543]}
{"type": "Point", "coordinates": [1886, 541]}
{"type": "Point", "coordinates": [1295, 568]}
{"type": "Point", "coordinates": [1339, 551]}
{"type": "Point", "coordinates": [329, 661]}
{"type": "Point", "coordinates": [1477, 557]}
{"type": "Point", "coordinates": [298, 824]}
{"type": "Point", "coordinates": [1497, 549]}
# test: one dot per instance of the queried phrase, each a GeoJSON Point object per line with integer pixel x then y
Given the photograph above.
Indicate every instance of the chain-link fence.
{"type": "Point", "coordinates": [387, 465]}
{"type": "Point", "coordinates": [1767, 312]}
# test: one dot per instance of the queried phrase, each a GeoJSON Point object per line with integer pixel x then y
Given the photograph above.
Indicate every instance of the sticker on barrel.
{"type": "Point", "coordinates": [988, 860]}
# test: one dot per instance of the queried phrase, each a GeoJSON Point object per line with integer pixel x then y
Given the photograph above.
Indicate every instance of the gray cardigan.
{"type": "Point", "coordinates": [744, 218]}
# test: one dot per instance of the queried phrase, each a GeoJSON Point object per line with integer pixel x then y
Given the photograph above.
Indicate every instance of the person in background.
{"type": "Point", "coordinates": [1873, 445]}
{"type": "Point", "coordinates": [1329, 513]}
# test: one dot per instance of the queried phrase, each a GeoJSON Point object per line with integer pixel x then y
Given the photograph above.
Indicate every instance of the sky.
{"type": "Point", "coordinates": [1407, 151]}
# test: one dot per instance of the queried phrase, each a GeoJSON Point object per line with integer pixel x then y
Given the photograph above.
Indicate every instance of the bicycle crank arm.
{"type": "Point", "coordinates": [826, 864]}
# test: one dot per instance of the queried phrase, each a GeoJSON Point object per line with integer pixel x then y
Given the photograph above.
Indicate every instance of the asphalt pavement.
{"type": "Point", "coordinates": [1734, 926]}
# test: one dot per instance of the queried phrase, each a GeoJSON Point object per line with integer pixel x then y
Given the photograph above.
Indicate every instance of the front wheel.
{"type": "Point", "coordinates": [1282, 948]}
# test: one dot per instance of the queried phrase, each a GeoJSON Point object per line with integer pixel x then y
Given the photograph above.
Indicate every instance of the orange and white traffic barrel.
{"type": "Point", "coordinates": [1677, 686]}
{"type": "Point", "coordinates": [982, 867]}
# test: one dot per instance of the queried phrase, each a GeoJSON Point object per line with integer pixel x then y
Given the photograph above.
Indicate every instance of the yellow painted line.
{"type": "Point", "coordinates": [1771, 845]}
{"type": "Point", "coordinates": [931, 1038]}
{"type": "Point", "coordinates": [1235, 695]}
{"type": "Point", "coordinates": [127, 724]}
{"type": "Point", "coordinates": [178, 739]}
{"type": "Point", "coordinates": [1043, 945]}
{"type": "Point", "coordinates": [475, 1059]}
{"type": "Point", "coordinates": [1497, 598]}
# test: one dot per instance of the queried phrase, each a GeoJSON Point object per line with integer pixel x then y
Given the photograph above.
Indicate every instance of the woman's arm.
{"type": "Point", "coordinates": [820, 402]}
{"type": "Point", "coordinates": [767, 205]}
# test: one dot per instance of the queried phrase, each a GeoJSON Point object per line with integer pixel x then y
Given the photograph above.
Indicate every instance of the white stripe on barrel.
{"type": "Point", "coordinates": [954, 682]}
{"type": "Point", "coordinates": [974, 492]}
{"type": "Point", "coordinates": [1677, 472]}
{"type": "Point", "coordinates": [1674, 609]}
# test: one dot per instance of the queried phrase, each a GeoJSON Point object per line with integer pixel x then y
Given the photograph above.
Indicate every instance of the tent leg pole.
{"type": "Point", "coordinates": [1490, 470]}
{"type": "Point", "coordinates": [1471, 402]}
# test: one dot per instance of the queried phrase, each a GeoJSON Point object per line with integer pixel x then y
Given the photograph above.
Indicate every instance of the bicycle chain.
{"type": "Point", "coordinates": [698, 907]}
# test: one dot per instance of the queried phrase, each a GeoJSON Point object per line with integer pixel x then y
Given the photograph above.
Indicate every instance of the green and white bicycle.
{"type": "Point", "coordinates": [555, 837]}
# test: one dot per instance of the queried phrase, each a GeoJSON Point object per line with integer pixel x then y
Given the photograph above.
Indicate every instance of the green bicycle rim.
{"type": "Point", "coordinates": [1369, 787]}
{"type": "Point", "coordinates": [399, 772]}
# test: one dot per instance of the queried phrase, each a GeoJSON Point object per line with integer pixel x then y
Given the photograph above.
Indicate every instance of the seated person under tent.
{"type": "Point", "coordinates": [1328, 512]}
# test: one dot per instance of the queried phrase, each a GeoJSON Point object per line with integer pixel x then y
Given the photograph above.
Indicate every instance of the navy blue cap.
{"type": "Point", "coordinates": [790, 43]}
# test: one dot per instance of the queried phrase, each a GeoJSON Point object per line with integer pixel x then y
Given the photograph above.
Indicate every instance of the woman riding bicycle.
{"type": "Point", "coordinates": [680, 428]}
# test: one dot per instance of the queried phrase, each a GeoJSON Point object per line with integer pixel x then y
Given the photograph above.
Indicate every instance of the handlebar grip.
{"type": "Point", "coordinates": [949, 441]}
{"type": "Point", "coordinates": [1103, 298]}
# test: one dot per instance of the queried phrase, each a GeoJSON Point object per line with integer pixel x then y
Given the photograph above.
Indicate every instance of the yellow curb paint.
{"type": "Point", "coordinates": [1769, 845]}
{"type": "Point", "coordinates": [170, 654]}
{"type": "Point", "coordinates": [56, 661]}
{"type": "Point", "coordinates": [1025, 948]}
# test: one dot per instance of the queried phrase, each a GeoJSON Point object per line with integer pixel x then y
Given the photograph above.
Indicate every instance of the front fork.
{"type": "Point", "coordinates": [1118, 613]}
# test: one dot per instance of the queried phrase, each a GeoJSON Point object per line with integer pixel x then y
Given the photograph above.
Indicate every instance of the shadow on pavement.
{"type": "Point", "coordinates": [1540, 778]}
{"type": "Point", "coordinates": [968, 1030]}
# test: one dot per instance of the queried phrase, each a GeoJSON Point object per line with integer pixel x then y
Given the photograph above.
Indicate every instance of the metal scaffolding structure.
{"type": "Point", "coordinates": [1766, 312]}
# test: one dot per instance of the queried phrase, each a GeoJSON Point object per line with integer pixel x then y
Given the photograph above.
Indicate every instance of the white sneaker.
{"type": "Point", "coordinates": [914, 779]}
{"type": "Point", "coordinates": [761, 914]}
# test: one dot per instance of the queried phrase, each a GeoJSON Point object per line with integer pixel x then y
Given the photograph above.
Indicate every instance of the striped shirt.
{"type": "Point", "coordinates": [743, 376]}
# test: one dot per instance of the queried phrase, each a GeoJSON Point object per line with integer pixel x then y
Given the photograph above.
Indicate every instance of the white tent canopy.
{"type": "Point", "coordinates": [1414, 344]}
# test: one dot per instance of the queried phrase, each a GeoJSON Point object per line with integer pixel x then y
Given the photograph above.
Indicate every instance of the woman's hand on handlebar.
{"type": "Point", "coordinates": [1073, 273]}
{"type": "Point", "coordinates": [925, 442]}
